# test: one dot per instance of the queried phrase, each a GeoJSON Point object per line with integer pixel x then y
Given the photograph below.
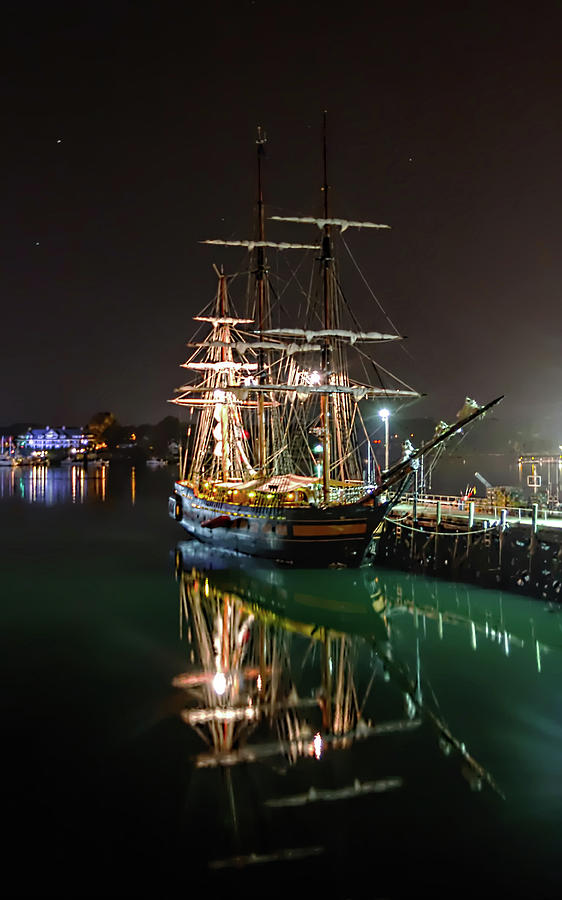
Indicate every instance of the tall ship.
{"type": "Point", "coordinates": [274, 464]}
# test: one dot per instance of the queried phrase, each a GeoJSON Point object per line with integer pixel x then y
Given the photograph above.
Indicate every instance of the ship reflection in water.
{"type": "Point", "coordinates": [315, 740]}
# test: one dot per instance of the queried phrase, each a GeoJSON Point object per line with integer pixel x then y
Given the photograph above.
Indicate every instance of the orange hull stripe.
{"type": "Point", "coordinates": [328, 530]}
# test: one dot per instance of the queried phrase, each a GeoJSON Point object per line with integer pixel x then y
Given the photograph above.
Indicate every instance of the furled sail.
{"type": "Point", "coordinates": [221, 320]}
{"type": "Point", "coordinates": [467, 408]}
{"type": "Point", "coordinates": [343, 333]}
{"type": "Point", "coordinates": [220, 366]}
{"type": "Point", "coordinates": [252, 244]}
{"type": "Point", "coordinates": [321, 223]}
{"type": "Point", "coordinates": [242, 347]}
{"type": "Point", "coordinates": [359, 392]}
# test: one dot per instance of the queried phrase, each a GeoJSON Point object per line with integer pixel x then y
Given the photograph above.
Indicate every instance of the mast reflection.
{"type": "Point", "coordinates": [242, 628]}
{"type": "Point", "coordinates": [287, 665]}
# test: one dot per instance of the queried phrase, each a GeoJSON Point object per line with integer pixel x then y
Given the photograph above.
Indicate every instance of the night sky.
{"type": "Point", "coordinates": [129, 135]}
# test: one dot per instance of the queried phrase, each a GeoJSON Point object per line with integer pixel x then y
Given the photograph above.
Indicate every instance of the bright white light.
{"type": "Point", "coordinates": [314, 378]}
{"type": "Point", "coordinates": [219, 684]}
{"type": "Point", "coordinates": [317, 744]}
{"type": "Point", "coordinates": [318, 448]}
{"type": "Point", "coordinates": [384, 413]}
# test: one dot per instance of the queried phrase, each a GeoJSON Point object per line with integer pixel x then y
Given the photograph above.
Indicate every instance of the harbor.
{"type": "Point", "coordinates": [281, 451]}
{"type": "Point", "coordinates": [93, 446]}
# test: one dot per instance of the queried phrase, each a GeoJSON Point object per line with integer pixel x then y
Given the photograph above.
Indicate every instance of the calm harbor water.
{"type": "Point", "coordinates": [174, 717]}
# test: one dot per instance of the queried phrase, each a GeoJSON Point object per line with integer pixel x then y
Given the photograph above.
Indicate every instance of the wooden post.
{"type": "Point", "coordinates": [437, 527]}
{"type": "Point", "coordinates": [470, 525]}
{"type": "Point", "coordinates": [503, 519]}
{"type": "Point", "coordinates": [533, 542]}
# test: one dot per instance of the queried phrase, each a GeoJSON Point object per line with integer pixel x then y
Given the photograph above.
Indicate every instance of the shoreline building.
{"type": "Point", "coordinates": [49, 438]}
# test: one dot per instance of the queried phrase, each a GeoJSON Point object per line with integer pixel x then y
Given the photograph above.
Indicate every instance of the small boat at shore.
{"type": "Point", "coordinates": [8, 456]}
{"type": "Point", "coordinates": [9, 460]}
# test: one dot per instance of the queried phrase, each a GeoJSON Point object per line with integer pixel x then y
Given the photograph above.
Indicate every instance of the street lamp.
{"type": "Point", "coordinates": [385, 415]}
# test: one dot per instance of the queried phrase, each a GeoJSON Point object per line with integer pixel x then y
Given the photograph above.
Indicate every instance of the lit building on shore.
{"type": "Point", "coordinates": [48, 438]}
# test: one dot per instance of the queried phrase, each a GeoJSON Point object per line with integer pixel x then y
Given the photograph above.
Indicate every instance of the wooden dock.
{"type": "Point", "coordinates": [512, 548]}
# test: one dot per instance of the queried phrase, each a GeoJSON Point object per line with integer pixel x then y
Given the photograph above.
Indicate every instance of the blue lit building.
{"type": "Point", "coordinates": [52, 439]}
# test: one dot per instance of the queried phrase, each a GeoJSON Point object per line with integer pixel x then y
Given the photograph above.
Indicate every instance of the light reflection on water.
{"type": "Point", "coordinates": [57, 484]}
{"type": "Point", "coordinates": [366, 723]}
{"type": "Point", "coordinates": [347, 685]}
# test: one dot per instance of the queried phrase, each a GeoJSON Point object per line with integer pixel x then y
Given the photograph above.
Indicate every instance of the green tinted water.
{"type": "Point", "coordinates": [109, 791]}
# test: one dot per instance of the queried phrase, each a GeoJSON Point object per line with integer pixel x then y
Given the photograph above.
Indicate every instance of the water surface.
{"type": "Point", "coordinates": [404, 731]}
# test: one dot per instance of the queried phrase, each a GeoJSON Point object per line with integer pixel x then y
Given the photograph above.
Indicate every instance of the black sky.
{"type": "Point", "coordinates": [129, 134]}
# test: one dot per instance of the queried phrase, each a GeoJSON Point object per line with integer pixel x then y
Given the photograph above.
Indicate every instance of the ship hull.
{"type": "Point", "coordinates": [304, 536]}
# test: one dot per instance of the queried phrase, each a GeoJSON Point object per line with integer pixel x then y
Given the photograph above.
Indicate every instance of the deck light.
{"type": "Point", "coordinates": [219, 684]}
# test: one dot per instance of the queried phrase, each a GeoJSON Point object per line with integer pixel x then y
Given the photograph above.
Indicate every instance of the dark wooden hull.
{"type": "Point", "coordinates": [304, 536]}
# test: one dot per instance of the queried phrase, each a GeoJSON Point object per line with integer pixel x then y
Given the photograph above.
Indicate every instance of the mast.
{"type": "Point", "coordinates": [326, 260]}
{"type": "Point", "coordinates": [261, 301]}
{"type": "Point", "coordinates": [222, 304]}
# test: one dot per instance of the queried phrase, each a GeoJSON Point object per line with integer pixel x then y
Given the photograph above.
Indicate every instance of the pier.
{"type": "Point", "coordinates": [512, 548]}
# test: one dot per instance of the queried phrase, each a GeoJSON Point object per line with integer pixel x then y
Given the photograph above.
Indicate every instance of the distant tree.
{"type": "Point", "coordinates": [99, 423]}
{"type": "Point", "coordinates": [168, 429]}
{"type": "Point", "coordinates": [117, 434]}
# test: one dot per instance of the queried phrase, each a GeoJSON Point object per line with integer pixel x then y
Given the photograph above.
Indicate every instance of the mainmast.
{"type": "Point", "coordinates": [261, 303]}
{"type": "Point", "coordinates": [326, 260]}
{"type": "Point", "coordinates": [222, 309]}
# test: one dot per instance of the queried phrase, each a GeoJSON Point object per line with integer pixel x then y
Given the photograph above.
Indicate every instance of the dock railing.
{"type": "Point", "coordinates": [483, 508]}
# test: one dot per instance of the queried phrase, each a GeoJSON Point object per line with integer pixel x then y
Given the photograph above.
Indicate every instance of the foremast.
{"type": "Point", "coordinates": [269, 455]}
{"type": "Point", "coordinates": [220, 448]}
